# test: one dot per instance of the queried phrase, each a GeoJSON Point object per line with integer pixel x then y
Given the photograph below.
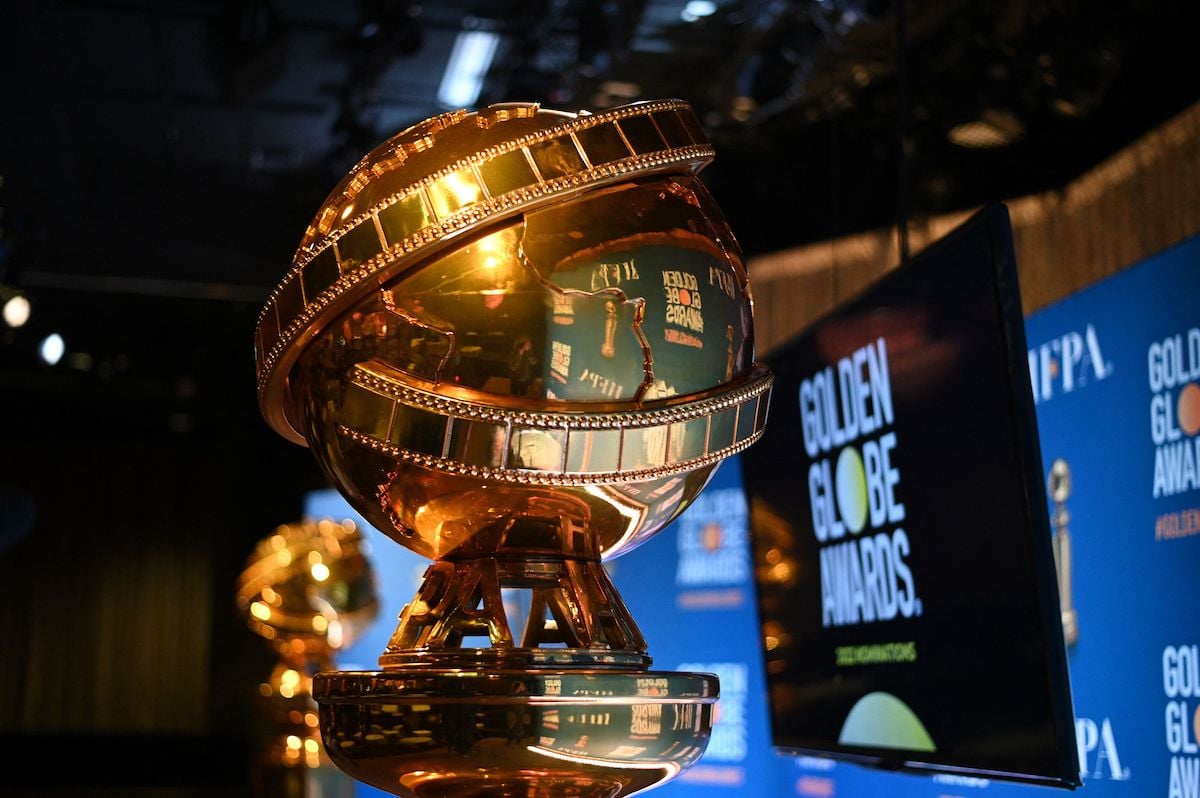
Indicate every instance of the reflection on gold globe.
{"type": "Point", "coordinates": [518, 341]}
{"type": "Point", "coordinates": [309, 589]}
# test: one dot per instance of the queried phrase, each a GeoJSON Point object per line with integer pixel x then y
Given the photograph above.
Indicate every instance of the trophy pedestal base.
{"type": "Point", "coordinates": [457, 733]}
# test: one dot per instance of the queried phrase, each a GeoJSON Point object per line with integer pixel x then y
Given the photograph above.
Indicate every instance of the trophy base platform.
{"type": "Point", "coordinates": [469, 733]}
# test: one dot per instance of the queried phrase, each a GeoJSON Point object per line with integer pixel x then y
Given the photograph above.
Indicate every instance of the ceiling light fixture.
{"type": "Point", "coordinates": [992, 130]}
{"type": "Point", "coordinates": [16, 306]}
{"type": "Point", "coordinates": [697, 9]}
{"type": "Point", "coordinates": [52, 348]}
{"type": "Point", "coordinates": [468, 66]}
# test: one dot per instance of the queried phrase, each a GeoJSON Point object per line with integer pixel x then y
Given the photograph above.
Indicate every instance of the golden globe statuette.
{"type": "Point", "coordinates": [1059, 484]}
{"type": "Point", "coordinates": [518, 340]}
{"type": "Point", "coordinates": [308, 588]}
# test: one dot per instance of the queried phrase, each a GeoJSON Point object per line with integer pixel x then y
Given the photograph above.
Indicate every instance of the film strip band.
{"type": "Point", "coordinates": [589, 150]}
{"type": "Point", "coordinates": [553, 448]}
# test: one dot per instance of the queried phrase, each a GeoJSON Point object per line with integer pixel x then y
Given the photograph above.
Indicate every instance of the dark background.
{"type": "Point", "coordinates": [160, 159]}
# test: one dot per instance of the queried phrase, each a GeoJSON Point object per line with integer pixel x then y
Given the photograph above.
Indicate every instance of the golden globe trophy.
{"type": "Point", "coordinates": [518, 340]}
{"type": "Point", "coordinates": [1059, 485]}
{"type": "Point", "coordinates": [308, 588]}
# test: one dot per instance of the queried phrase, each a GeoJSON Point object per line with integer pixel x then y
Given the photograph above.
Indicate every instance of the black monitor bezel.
{"type": "Point", "coordinates": [993, 221]}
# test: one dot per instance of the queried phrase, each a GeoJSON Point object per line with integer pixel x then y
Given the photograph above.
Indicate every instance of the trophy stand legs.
{"type": "Point", "coordinates": [572, 711]}
{"type": "Point", "coordinates": [572, 604]}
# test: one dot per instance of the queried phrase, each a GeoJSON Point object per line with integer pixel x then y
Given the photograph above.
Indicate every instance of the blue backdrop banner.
{"type": "Point", "coordinates": [1116, 378]}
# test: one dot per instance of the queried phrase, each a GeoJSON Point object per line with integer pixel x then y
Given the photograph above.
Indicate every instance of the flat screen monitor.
{"type": "Point", "coordinates": [904, 571]}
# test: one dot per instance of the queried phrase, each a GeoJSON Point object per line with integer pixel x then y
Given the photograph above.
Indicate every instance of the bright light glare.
{"type": "Point", "coordinates": [695, 9]}
{"type": "Point", "coordinates": [16, 311]}
{"type": "Point", "coordinates": [635, 513]}
{"type": "Point", "coordinates": [468, 66]}
{"type": "Point", "coordinates": [52, 348]}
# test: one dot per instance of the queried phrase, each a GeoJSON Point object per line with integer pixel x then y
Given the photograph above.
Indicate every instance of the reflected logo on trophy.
{"type": "Point", "coordinates": [1059, 485]}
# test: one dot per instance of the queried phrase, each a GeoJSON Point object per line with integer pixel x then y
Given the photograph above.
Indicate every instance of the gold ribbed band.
{"type": "Point", "coordinates": [581, 153]}
{"type": "Point", "coordinates": [553, 448]}
{"type": "Point", "coordinates": [456, 685]}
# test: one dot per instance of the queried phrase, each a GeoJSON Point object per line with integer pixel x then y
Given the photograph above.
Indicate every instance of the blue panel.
{"type": "Point", "coordinates": [1113, 368]}
{"type": "Point", "coordinates": [1116, 376]}
{"type": "Point", "coordinates": [691, 591]}
{"type": "Point", "coordinates": [398, 571]}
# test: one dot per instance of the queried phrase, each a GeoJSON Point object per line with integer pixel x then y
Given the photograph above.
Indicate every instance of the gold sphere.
{"type": "Point", "coordinates": [550, 303]}
{"type": "Point", "coordinates": [518, 340]}
{"type": "Point", "coordinates": [308, 588]}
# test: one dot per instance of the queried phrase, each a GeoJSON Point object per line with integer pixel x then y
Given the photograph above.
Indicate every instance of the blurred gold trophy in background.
{"type": "Point", "coordinates": [517, 341]}
{"type": "Point", "coordinates": [1059, 484]}
{"type": "Point", "coordinates": [308, 588]}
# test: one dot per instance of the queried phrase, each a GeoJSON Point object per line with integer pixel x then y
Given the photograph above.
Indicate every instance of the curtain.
{"type": "Point", "coordinates": [1140, 201]}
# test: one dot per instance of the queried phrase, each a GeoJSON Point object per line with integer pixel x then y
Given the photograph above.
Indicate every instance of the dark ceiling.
{"type": "Point", "coordinates": [161, 158]}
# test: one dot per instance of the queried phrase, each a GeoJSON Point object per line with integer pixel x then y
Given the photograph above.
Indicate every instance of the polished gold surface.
{"type": "Point", "coordinates": [449, 733]}
{"type": "Point", "coordinates": [518, 341]}
{"type": "Point", "coordinates": [308, 588]}
{"type": "Point", "coordinates": [442, 180]}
